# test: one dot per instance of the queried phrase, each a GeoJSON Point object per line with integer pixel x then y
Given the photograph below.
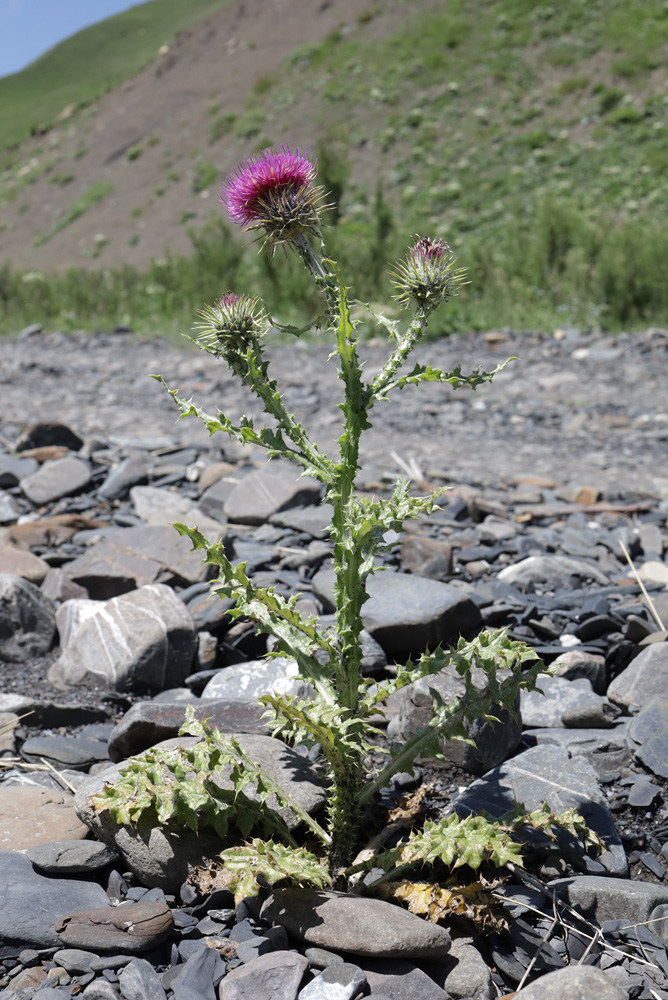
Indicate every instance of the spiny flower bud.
{"type": "Point", "coordinates": [274, 191]}
{"type": "Point", "coordinates": [229, 324]}
{"type": "Point", "coordinates": [426, 276]}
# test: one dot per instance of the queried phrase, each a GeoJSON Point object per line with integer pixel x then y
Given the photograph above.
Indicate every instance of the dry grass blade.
{"type": "Point", "coordinates": [655, 614]}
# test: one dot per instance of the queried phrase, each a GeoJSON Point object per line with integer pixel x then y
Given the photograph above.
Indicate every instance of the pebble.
{"type": "Point", "coordinates": [129, 927]}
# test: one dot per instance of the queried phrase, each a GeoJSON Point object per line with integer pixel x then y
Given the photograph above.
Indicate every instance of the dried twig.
{"type": "Point", "coordinates": [652, 607]}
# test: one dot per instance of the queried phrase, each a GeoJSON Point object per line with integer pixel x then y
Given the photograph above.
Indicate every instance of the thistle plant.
{"type": "Point", "coordinates": [274, 194]}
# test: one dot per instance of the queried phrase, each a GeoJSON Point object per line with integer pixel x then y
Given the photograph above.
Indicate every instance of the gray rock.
{"type": "Point", "coordinates": [163, 544]}
{"type": "Point", "coordinates": [132, 471]}
{"type": "Point", "coordinates": [198, 977]}
{"type": "Point", "coordinates": [606, 750]}
{"type": "Point", "coordinates": [314, 519]}
{"type": "Point", "coordinates": [463, 974]}
{"type": "Point", "coordinates": [213, 499]}
{"type": "Point", "coordinates": [57, 586]}
{"type": "Point", "coordinates": [130, 927]}
{"type": "Point", "coordinates": [20, 563]}
{"type": "Point", "coordinates": [61, 477]}
{"type": "Point", "coordinates": [31, 904]}
{"type": "Point", "coordinates": [578, 663]}
{"type": "Point", "coordinates": [150, 722]}
{"type": "Point", "coordinates": [273, 487]}
{"type": "Point", "coordinates": [658, 922]}
{"type": "Point", "coordinates": [645, 678]}
{"type": "Point", "coordinates": [107, 571]}
{"type": "Point", "coordinates": [248, 681]}
{"type": "Point", "coordinates": [494, 741]}
{"type": "Point", "coordinates": [77, 753]}
{"type": "Point", "coordinates": [13, 469]}
{"type": "Point", "coordinates": [548, 774]}
{"type": "Point", "coordinates": [399, 979]}
{"type": "Point", "coordinates": [9, 509]}
{"type": "Point", "coordinates": [356, 924]}
{"type": "Point", "coordinates": [75, 960]}
{"type": "Point", "coordinates": [407, 613]}
{"type": "Point", "coordinates": [652, 720]}
{"type": "Point", "coordinates": [553, 696]}
{"type": "Point", "coordinates": [591, 715]}
{"type": "Point", "coordinates": [100, 989]}
{"type": "Point", "coordinates": [654, 754]}
{"type": "Point", "coordinates": [140, 641]}
{"type": "Point", "coordinates": [139, 981]}
{"type": "Point", "coordinates": [147, 500]}
{"type": "Point", "coordinates": [341, 981]}
{"type": "Point", "coordinates": [27, 620]}
{"type": "Point", "coordinates": [431, 557]}
{"type": "Point", "coordinates": [550, 571]}
{"type": "Point", "coordinates": [160, 854]}
{"type": "Point", "coordinates": [578, 982]}
{"type": "Point", "coordinates": [275, 976]}
{"type": "Point", "coordinates": [71, 857]}
{"type": "Point", "coordinates": [602, 898]}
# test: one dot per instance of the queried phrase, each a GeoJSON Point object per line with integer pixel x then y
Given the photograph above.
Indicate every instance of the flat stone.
{"type": "Point", "coordinates": [47, 714]}
{"type": "Point", "coordinates": [275, 976]}
{"type": "Point", "coordinates": [160, 854]}
{"type": "Point", "coordinates": [63, 477]}
{"type": "Point", "coordinates": [148, 499]}
{"type": "Point", "coordinates": [162, 543]}
{"type": "Point", "coordinates": [32, 903]}
{"type": "Point", "coordinates": [553, 696]}
{"type": "Point", "coordinates": [602, 898]}
{"type": "Point", "coordinates": [8, 722]}
{"type": "Point", "coordinates": [273, 487]}
{"type": "Point", "coordinates": [214, 471]}
{"type": "Point", "coordinates": [9, 509]}
{"type": "Point", "coordinates": [74, 752]}
{"type": "Point", "coordinates": [430, 557]}
{"type": "Point", "coordinates": [13, 469]}
{"type": "Point", "coordinates": [144, 640]}
{"type": "Point", "coordinates": [198, 977]}
{"type": "Point", "coordinates": [132, 471]}
{"type": "Point", "coordinates": [139, 981]}
{"type": "Point", "coordinates": [575, 664]}
{"type": "Point", "coordinates": [50, 531]}
{"type": "Point", "coordinates": [606, 750]}
{"type": "Point", "coordinates": [654, 754]}
{"type": "Point", "coordinates": [24, 564]}
{"type": "Point", "coordinates": [57, 586]}
{"type": "Point", "coordinates": [399, 979]}
{"type": "Point", "coordinates": [314, 519]}
{"type": "Point", "coordinates": [341, 981]}
{"type": "Point", "coordinates": [71, 857]}
{"type": "Point", "coordinates": [27, 620]}
{"type": "Point", "coordinates": [150, 722]}
{"type": "Point", "coordinates": [248, 681]}
{"type": "Point", "coordinates": [578, 982]}
{"type": "Point", "coordinates": [31, 815]}
{"type": "Point", "coordinates": [407, 613]}
{"type": "Point", "coordinates": [652, 720]}
{"type": "Point", "coordinates": [550, 571]}
{"type": "Point", "coordinates": [75, 960]}
{"type": "Point", "coordinates": [107, 571]}
{"type": "Point", "coordinates": [463, 973]}
{"type": "Point", "coordinates": [645, 678]}
{"type": "Point", "coordinates": [494, 741]}
{"type": "Point", "coordinates": [129, 927]}
{"type": "Point", "coordinates": [356, 924]}
{"type": "Point", "coordinates": [548, 774]}
{"type": "Point", "coordinates": [653, 571]}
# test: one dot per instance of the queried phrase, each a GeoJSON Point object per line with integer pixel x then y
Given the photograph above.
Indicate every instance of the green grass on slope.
{"type": "Point", "coordinates": [83, 67]}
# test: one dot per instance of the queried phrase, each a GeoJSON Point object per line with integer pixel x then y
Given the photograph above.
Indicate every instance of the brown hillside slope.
{"type": "Point", "coordinates": [149, 137]}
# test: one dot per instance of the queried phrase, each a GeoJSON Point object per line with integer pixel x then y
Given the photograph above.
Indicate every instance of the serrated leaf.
{"type": "Point", "coordinates": [263, 863]}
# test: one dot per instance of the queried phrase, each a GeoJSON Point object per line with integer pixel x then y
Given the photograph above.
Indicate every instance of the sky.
{"type": "Point", "coordinates": [28, 28]}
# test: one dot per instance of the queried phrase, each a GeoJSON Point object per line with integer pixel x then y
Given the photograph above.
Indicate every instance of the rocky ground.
{"type": "Point", "coordinates": [108, 630]}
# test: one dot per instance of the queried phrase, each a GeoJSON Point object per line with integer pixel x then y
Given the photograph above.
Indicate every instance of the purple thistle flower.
{"type": "Point", "coordinates": [273, 190]}
{"type": "Point", "coordinates": [426, 276]}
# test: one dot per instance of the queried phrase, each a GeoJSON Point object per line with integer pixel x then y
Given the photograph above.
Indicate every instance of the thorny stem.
{"type": "Point", "coordinates": [394, 363]}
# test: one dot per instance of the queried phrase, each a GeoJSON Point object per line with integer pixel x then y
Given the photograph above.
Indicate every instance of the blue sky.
{"type": "Point", "coordinates": [29, 28]}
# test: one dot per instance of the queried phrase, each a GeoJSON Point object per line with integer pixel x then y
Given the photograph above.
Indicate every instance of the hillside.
{"type": "Point", "coordinates": [533, 136]}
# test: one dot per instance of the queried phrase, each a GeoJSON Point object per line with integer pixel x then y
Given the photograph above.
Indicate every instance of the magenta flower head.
{"type": "Point", "coordinates": [274, 191]}
{"type": "Point", "coordinates": [230, 324]}
{"type": "Point", "coordinates": [426, 277]}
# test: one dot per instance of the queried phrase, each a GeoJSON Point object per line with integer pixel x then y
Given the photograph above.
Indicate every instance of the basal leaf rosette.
{"type": "Point", "coordinates": [427, 277]}
{"type": "Point", "coordinates": [274, 191]}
